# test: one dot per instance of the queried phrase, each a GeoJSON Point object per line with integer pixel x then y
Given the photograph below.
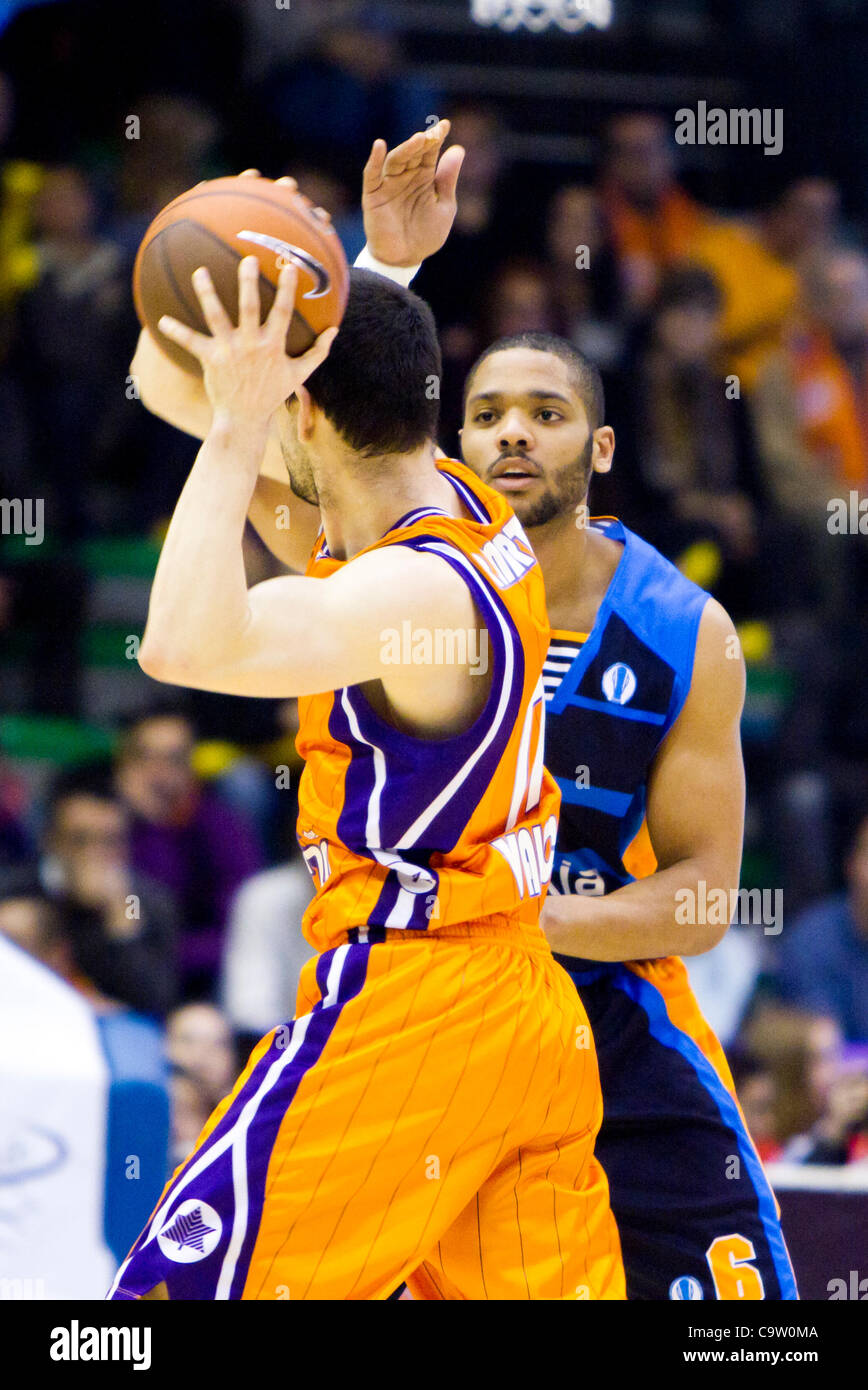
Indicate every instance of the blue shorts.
{"type": "Point", "coordinates": [695, 1212]}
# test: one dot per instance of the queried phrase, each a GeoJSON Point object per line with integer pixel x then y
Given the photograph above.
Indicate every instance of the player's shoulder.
{"type": "Point", "coordinates": [718, 677]}
{"type": "Point", "coordinates": [660, 604]}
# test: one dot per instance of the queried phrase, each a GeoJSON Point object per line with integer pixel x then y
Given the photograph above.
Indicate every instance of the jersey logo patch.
{"type": "Point", "coordinates": [191, 1233]}
{"type": "Point", "coordinates": [686, 1287]}
{"type": "Point", "coordinates": [619, 683]}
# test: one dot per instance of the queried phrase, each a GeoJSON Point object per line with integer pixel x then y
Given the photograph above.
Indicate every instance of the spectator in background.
{"type": "Point", "coordinates": [72, 331]}
{"type": "Point", "coordinates": [803, 220]}
{"type": "Point", "coordinates": [35, 923]}
{"type": "Point", "coordinates": [176, 148]}
{"type": "Point", "coordinates": [265, 950]}
{"type": "Point", "coordinates": [482, 234]}
{"type": "Point", "coordinates": [811, 401]}
{"type": "Point", "coordinates": [189, 1107]}
{"type": "Point", "coordinates": [822, 961]}
{"type": "Point", "coordinates": [584, 275]}
{"type": "Point", "coordinates": [184, 837]}
{"type": "Point", "coordinates": [121, 928]}
{"type": "Point", "coordinates": [655, 224]}
{"type": "Point", "coordinates": [518, 298]}
{"type": "Point", "coordinates": [755, 1088]}
{"type": "Point", "coordinates": [689, 442]}
{"type": "Point", "coordinates": [199, 1041]}
{"type": "Point", "coordinates": [802, 1051]}
{"type": "Point", "coordinates": [840, 1135]}
{"type": "Point", "coordinates": [351, 88]}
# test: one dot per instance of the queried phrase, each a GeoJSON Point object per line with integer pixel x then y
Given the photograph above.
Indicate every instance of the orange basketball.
{"type": "Point", "coordinates": [216, 224]}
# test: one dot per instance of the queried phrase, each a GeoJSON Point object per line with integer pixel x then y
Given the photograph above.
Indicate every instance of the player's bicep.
{"type": "Point", "coordinates": [304, 635]}
{"type": "Point", "coordinates": [695, 806]}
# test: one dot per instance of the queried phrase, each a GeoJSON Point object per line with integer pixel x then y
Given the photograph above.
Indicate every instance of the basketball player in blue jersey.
{"type": "Point", "coordinates": [644, 692]}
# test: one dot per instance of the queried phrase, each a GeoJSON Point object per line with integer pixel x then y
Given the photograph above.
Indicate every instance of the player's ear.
{"type": "Point", "coordinates": [305, 413]}
{"type": "Point", "coordinates": [603, 450]}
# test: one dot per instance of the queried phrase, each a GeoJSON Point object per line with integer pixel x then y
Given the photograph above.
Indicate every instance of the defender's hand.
{"type": "Point", "coordinates": [246, 370]}
{"type": "Point", "coordinates": [408, 196]}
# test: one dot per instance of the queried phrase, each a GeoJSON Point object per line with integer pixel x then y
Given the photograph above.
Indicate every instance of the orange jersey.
{"type": "Point", "coordinates": [420, 834]}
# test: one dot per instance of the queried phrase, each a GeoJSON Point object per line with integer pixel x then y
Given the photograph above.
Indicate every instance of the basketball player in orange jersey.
{"type": "Point", "coordinates": [436, 1097]}
{"type": "Point", "coordinates": [644, 685]}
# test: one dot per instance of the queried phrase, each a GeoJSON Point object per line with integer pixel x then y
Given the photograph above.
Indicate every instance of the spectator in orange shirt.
{"type": "Point", "coordinates": [655, 224]}
{"type": "Point", "coordinates": [811, 401]}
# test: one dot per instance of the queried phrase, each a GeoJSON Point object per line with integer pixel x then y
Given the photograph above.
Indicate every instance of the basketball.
{"type": "Point", "coordinates": [216, 224]}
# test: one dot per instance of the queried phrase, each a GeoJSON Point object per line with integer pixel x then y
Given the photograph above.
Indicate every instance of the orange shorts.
{"type": "Point", "coordinates": [433, 1107]}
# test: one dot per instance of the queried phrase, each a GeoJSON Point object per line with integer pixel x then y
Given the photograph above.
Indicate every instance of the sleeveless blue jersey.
{"type": "Point", "coordinates": [611, 698]}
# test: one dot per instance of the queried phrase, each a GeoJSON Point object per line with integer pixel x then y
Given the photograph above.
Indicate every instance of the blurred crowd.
{"type": "Point", "coordinates": [734, 351]}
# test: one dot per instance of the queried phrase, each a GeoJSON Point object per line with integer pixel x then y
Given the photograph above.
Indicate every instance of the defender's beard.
{"type": "Point", "coordinates": [570, 491]}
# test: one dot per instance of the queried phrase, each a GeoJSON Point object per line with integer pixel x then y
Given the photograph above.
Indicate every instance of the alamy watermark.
{"type": "Point", "coordinates": [23, 516]}
{"type": "Point", "coordinates": [739, 125]}
{"type": "Point", "coordinates": [719, 907]}
{"type": "Point", "coordinates": [439, 646]}
{"type": "Point", "coordinates": [848, 516]}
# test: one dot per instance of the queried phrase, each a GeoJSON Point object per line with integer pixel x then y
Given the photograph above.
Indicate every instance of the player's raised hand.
{"type": "Point", "coordinates": [246, 370]}
{"type": "Point", "coordinates": [408, 196]}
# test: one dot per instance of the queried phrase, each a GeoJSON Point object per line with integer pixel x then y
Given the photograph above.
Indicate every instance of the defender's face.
{"type": "Point", "coordinates": [527, 435]}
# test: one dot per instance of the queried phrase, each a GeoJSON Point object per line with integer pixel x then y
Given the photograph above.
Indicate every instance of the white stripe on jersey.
{"type": "Point", "coordinates": [555, 669]}
{"type": "Point", "coordinates": [372, 822]}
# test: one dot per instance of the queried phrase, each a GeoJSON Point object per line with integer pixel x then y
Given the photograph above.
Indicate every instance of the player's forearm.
{"type": "Point", "coordinates": [199, 603]}
{"type": "Point", "coordinates": [180, 399]}
{"type": "Point", "coordinates": [651, 917]}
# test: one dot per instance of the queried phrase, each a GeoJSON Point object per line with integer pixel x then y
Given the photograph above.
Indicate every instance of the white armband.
{"type": "Point", "coordinates": [401, 274]}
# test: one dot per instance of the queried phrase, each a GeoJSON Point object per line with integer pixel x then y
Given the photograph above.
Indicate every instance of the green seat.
{"type": "Point", "coordinates": [45, 737]}
{"type": "Point", "coordinates": [114, 556]}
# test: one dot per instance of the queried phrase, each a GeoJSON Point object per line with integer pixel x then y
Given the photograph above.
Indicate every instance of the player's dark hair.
{"type": "Point", "coordinates": [380, 384]}
{"type": "Point", "coordinates": [585, 375]}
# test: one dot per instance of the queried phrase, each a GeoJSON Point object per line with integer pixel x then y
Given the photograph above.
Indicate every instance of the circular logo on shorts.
{"type": "Point", "coordinates": [619, 683]}
{"type": "Point", "coordinates": [686, 1287]}
{"type": "Point", "coordinates": [191, 1232]}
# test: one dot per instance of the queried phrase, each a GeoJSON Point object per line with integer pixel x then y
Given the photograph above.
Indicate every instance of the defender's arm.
{"type": "Point", "coordinates": [695, 812]}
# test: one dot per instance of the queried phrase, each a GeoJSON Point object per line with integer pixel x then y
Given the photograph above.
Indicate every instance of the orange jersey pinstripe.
{"type": "Point", "coordinates": [401, 832]}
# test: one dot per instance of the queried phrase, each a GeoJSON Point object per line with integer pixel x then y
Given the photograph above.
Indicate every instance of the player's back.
{"type": "Point", "coordinates": [423, 834]}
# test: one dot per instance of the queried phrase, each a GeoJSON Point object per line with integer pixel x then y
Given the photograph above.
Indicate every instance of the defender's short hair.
{"type": "Point", "coordinates": [585, 375]}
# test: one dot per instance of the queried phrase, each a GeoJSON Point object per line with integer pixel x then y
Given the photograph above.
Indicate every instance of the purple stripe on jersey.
{"type": "Point", "coordinates": [410, 518]}
{"type": "Point", "coordinates": [480, 511]}
{"type": "Point", "coordinates": [196, 1226]}
{"type": "Point", "coordinates": [417, 771]}
{"type": "Point", "coordinates": [358, 780]}
{"type": "Point", "coordinates": [388, 899]}
{"type": "Point", "coordinates": [262, 1135]}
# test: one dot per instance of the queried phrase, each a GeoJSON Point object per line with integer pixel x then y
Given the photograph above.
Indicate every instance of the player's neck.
{"type": "Point", "coordinates": [577, 565]}
{"type": "Point", "coordinates": [361, 502]}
